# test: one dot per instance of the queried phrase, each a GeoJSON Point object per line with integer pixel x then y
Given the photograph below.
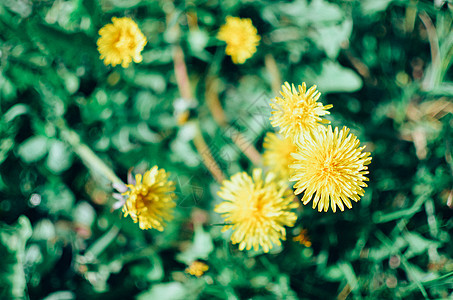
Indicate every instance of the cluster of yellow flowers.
{"type": "Point", "coordinates": [327, 164]}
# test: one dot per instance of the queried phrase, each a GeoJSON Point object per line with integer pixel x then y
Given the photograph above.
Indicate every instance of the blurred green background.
{"type": "Point", "coordinates": [384, 65]}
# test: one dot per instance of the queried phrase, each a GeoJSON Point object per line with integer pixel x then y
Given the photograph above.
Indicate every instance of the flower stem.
{"type": "Point", "coordinates": [206, 156]}
{"type": "Point", "coordinates": [185, 91]}
{"type": "Point", "coordinates": [89, 158]}
{"type": "Point", "coordinates": [218, 114]}
{"type": "Point", "coordinates": [272, 69]}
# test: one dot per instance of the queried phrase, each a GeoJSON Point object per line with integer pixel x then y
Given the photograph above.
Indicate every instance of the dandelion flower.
{"type": "Point", "coordinates": [150, 200]}
{"type": "Point", "coordinates": [277, 154]}
{"type": "Point", "coordinates": [256, 209]}
{"type": "Point", "coordinates": [241, 38]}
{"type": "Point", "coordinates": [298, 112]}
{"type": "Point", "coordinates": [303, 238]}
{"type": "Point", "coordinates": [121, 42]}
{"type": "Point", "coordinates": [330, 167]}
{"type": "Point", "coordinates": [197, 268]}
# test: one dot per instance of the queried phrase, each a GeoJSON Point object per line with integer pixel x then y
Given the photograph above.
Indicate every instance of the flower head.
{"type": "Point", "coordinates": [330, 167]}
{"type": "Point", "coordinates": [298, 111]}
{"type": "Point", "coordinates": [277, 155]}
{"type": "Point", "coordinates": [197, 268]}
{"type": "Point", "coordinates": [257, 208]}
{"type": "Point", "coordinates": [241, 38]}
{"type": "Point", "coordinates": [150, 200]}
{"type": "Point", "coordinates": [303, 238]}
{"type": "Point", "coordinates": [121, 42]}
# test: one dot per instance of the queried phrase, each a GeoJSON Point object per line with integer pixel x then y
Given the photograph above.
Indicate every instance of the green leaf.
{"type": "Point", "coordinates": [84, 214]}
{"type": "Point", "coordinates": [417, 244]}
{"type": "Point", "coordinates": [320, 11]}
{"type": "Point", "coordinates": [20, 7]}
{"type": "Point", "coordinates": [373, 6]}
{"type": "Point", "coordinates": [333, 273]}
{"type": "Point", "coordinates": [379, 253]}
{"type": "Point", "coordinates": [350, 276]}
{"type": "Point", "coordinates": [444, 89]}
{"type": "Point", "coordinates": [57, 199]}
{"type": "Point", "coordinates": [330, 38]}
{"type": "Point", "coordinates": [198, 39]}
{"type": "Point", "coordinates": [201, 247]}
{"type": "Point", "coordinates": [154, 81]}
{"type": "Point", "coordinates": [165, 291]}
{"type": "Point", "coordinates": [44, 230]}
{"type": "Point", "coordinates": [59, 158]}
{"type": "Point", "coordinates": [60, 295]}
{"type": "Point", "coordinates": [7, 89]}
{"type": "Point", "coordinates": [33, 149]}
{"type": "Point", "coordinates": [12, 250]}
{"type": "Point", "coordinates": [336, 78]}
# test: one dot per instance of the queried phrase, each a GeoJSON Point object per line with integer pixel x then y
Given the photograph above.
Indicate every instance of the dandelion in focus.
{"type": "Point", "coordinates": [303, 238]}
{"type": "Point", "coordinates": [330, 167]}
{"type": "Point", "coordinates": [298, 111]}
{"type": "Point", "coordinates": [121, 42]}
{"type": "Point", "coordinates": [197, 268]}
{"type": "Point", "coordinates": [256, 209]}
{"type": "Point", "coordinates": [150, 199]}
{"type": "Point", "coordinates": [241, 38]}
{"type": "Point", "coordinates": [277, 154]}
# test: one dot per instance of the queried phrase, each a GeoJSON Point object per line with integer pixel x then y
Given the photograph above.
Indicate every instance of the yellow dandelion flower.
{"type": "Point", "coordinates": [277, 154]}
{"type": "Point", "coordinates": [241, 38]}
{"type": "Point", "coordinates": [303, 238]}
{"type": "Point", "coordinates": [197, 268]}
{"type": "Point", "coordinates": [121, 42]}
{"type": "Point", "coordinates": [257, 209]}
{"type": "Point", "coordinates": [330, 166]}
{"type": "Point", "coordinates": [298, 112]}
{"type": "Point", "coordinates": [150, 200]}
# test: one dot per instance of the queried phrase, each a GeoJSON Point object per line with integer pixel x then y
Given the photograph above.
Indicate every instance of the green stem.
{"type": "Point", "coordinates": [89, 158]}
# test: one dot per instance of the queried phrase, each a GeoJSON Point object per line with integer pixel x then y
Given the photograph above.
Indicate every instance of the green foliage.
{"type": "Point", "coordinates": [385, 67]}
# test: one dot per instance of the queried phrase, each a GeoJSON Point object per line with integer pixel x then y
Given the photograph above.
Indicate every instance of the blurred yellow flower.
{"type": "Point", "coordinates": [121, 42]}
{"type": "Point", "coordinates": [303, 238]}
{"type": "Point", "coordinates": [256, 209]}
{"type": "Point", "coordinates": [330, 166]}
{"type": "Point", "coordinates": [298, 112]}
{"type": "Point", "coordinates": [241, 38]}
{"type": "Point", "coordinates": [277, 154]}
{"type": "Point", "coordinates": [197, 268]}
{"type": "Point", "coordinates": [150, 200]}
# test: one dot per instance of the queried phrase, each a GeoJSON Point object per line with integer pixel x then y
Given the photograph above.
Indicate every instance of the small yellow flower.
{"type": "Point", "coordinates": [330, 166]}
{"type": "Point", "coordinates": [150, 200]}
{"type": "Point", "coordinates": [303, 238]}
{"type": "Point", "coordinates": [241, 38]}
{"type": "Point", "coordinates": [277, 154]}
{"type": "Point", "coordinates": [121, 42]}
{"type": "Point", "coordinates": [256, 209]}
{"type": "Point", "coordinates": [197, 268]}
{"type": "Point", "coordinates": [298, 112]}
